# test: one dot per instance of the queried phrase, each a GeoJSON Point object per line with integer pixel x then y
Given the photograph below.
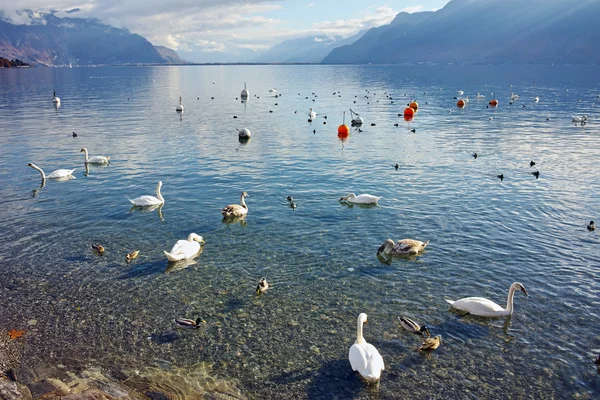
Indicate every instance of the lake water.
{"type": "Point", "coordinates": [81, 309]}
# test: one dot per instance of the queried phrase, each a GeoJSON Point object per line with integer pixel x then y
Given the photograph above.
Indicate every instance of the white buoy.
{"type": "Point", "coordinates": [179, 108]}
{"type": "Point", "coordinates": [244, 133]}
{"type": "Point", "coordinates": [245, 93]}
{"type": "Point", "coordinates": [356, 119]}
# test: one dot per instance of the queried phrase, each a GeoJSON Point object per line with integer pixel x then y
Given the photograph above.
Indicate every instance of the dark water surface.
{"type": "Point", "coordinates": [81, 309]}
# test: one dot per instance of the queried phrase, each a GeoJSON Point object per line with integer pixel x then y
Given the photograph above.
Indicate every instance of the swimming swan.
{"type": "Point", "coordinates": [58, 174]}
{"type": "Point", "coordinates": [487, 308]}
{"type": "Point", "coordinates": [363, 356]}
{"type": "Point", "coordinates": [360, 199]}
{"type": "Point", "coordinates": [144, 201]}
{"type": "Point", "coordinates": [236, 210]}
{"type": "Point", "coordinates": [403, 246]}
{"type": "Point", "coordinates": [185, 249]}
{"type": "Point", "coordinates": [55, 98]}
{"type": "Point", "coordinates": [312, 114]}
{"type": "Point", "coordinates": [94, 159]}
{"type": "Point", "coordinates": [179, 108]}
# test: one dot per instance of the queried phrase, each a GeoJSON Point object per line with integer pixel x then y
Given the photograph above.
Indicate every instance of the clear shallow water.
{"type": "Point", "coordinates": [320, 258]}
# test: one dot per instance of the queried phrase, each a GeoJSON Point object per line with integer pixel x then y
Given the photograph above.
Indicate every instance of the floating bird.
{"type": "Point", "coordinates": [74, 134]}
{"type": "Point", "coordinates": [396, 124]}
{"type": "Point", "coordinates": [245, 93]}
{"type": "Point", "coordinates": [479, 96]}
{"type": "Point", "coordinates": [536, 174]}
{"type": "Point", "coordinates": [179, 108]}
{"type": "Point", "coordinates": [363, 356]}
{"type": "Point", "coordinates": [273, 90]}
{"type": "Point", "coordinates": [262, 285]}
{"type": "Point", "coordinates": [501, 177]}
{"type": "Point", "coordinates": [99, 248]}
{"type": "Point", "coordinates": [94, 159]}
{"type": "Point", "coordinates": [396, 166]}
{"type": "Point", "coordinates": [293, 205]}
{"type": "Point", "coordinates": [360, 199]}
{"type": "Point", "coordinates": [185, 249]}
{"type": "Point", "coordinates": [312, 114]}
{"type": "Point", "coordinates": [413, 327]}
{"type": "Point", "coordinates": [537, 99]}
{"type": "Point", "coordinates": [413, 130]}
{"type": "Point", "coordinates": [236, 210]}
{"type": "Point", "coordinates": [475, 155]}
{"type": "Point", "coordinates": [235, 116]}
{"type": "Point", "coordinates": [290, 198]}
{"type": "Point", "coordinates": [58, 174]}
{"type": "Point", "coordinates": [580, 118]}
{"type": "Point", "coordinates": [460, 92]}
{"type": "Point", "coordinates": [144, 201]}
{"type": "Point", "coordinates": [132, 255]}
{"type": "Point", "coordinates": [591, 226]}
{"type": "Point", "coordinates": [486, 308]}
{"type": "Point", "coordinates": [185, 323]}
{"type": "Point", "coordinates": [514, 96]}
{"type": "Point", "coordinates": [531, 163]}
{"type": "Point", "coordinates": [55, 98]}
{"type": "Point", "coordinates": [430, 344]}
{"type": "Point", "coordinates": [402, 247]}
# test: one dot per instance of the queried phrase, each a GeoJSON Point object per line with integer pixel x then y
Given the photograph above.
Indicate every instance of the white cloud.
{"type": "Point", "coordinates": [310, 5]}
{"type": "Point", "coordinates": [412, 9]}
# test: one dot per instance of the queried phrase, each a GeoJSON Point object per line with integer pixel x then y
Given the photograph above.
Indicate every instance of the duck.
{"type": "Point", "coordinates": [130, 256]}
{"type": "Point", "coordinates": [272, 90]}
{"type": "Point", "coordinates": [312, 114]}
{"type": "Point", "coordinates": [262, 285]}
{"type": "Point", "coordinates": [531, 163]}
{"type": "Point", "coordinates": [236, 210]}
{"type": "Point", "coordinates": [413, 327]}
{"type": "Point", "coordinates": [185, 249]}
{"type": "Point", "coordinates": [475, 155]}
{"type": "Point", "coordinates": [431, 343]}
{"type": "Point", "coordinates": [360, 199]}
{"type": "Point", "coordinates": [363, 356]}
{"type": "Point", "coordinates": [514, 96]}
{"type": "Point", "coordinates": [58, 174]}
{"type": "Point", "coordinates": [483, 307]}
{"type": "Point", "coordinates": [145, 201]}
{"type": "Point", "coordinates": [290, 198]}
{"type": "Point", "coordinates": [591, 226]}
{"type": "Point", "coordinates": [536, 174]}
{"type": "Point", "coordinates": [501, 177]}
{"type": "Point", "coordinates": [186, 323]}
{"type": "Point", "coordinates": [179, 108]}
{"type": "Point", "coordinates": [94, 159]}
{"type": "Point", "coordinates": [579, 118]}
{"type": "Point", "coordinates": [99, 248]}
{"type": "Point", "coordinates": [55, 98]}
{"type": "Point", "coordinates": [402, 247]}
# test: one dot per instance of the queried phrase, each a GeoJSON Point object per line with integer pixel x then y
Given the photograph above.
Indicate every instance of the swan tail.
{"type": "Point", "coordinates": [451, 302]}
{"type": "Point", "coordinates": [425, 244]}
{"type": "Point", "coordinates": [173, 257]}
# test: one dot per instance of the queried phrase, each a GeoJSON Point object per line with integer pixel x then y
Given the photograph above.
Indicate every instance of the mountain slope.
{"type": "Point", "coordinates": [169, 55]}
{"type": "Point", "coordinates": [484, 31]}
{"type": "Point", "coordinates": [60, 41]}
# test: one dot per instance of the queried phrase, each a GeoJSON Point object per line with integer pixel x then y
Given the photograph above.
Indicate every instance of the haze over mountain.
{"type": "Point", "coordinates": [484, 31]}
{"type": "Point", "coordinates": [308, 49]}
{"type": "Point", "coordinates": [81, 41]}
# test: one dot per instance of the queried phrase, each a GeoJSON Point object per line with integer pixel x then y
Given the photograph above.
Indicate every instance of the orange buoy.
{"type": "Point", "coordinates": [414, 105]}
{"type": "Point", "coordinates": [494, 103]}
{"type": "Point", "coordinates": [460, 103]}
{"type": "Point", "coordinates": [409, 112]}
{"type": "Point", "coordinates": [343, 130]}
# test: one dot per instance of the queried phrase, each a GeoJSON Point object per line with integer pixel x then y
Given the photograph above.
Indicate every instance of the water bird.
{"type": "Point", "coordinates": [245, 93]}
{"type": "Point", "coordinates": [413, 130]}
{"type": "Point", "coordinates": [293, 205]}
{"type": "Point", "coordinates": [94, 159]}
{"type": "Point", "coordinates": [273, 90]}
{"type": "Point", "coordinates": [591, 226]}
{"type": "Point", "coordinates": [413, 327]}
{"type": "Point", "coordinates": [235, 116]}
{"type": "Point", "coordinates": [363, 356]}
{"type": "Point", "coordinates": [58, 174]}
{"type": "Point", "coordinates": [483, 307]}
{"type": "Point", "coordinates": [236, 210]}
{"type": "Point", "coordinates": [74, 134]}
{"type": "Point", "coordinates": [537, 99]}
{"type": "Point", "coordinates": [531, 163]}
{"type": "Point", "coordinates": [144, 201]}
{"type": "Point", "coordinates": [262, 285]}
{"type": "Point", "coordinates": [290, 198]}
{"type": "Point", "coordinates": [501, 177]}
{"type": "Point", "coordinates": [580, 118]}
{"type": "Point", "coordinates": [360, 130]}
{"type": "Point", "coordinates": [325, 116]}
{"type": "Point", "coordinates": [185, 249]}
{"type": "Point", "coordinates": [536, 174]}
{"type": "Point", "coordinates": [99, 248]}
{"type": "Point", "coordinates": [270, 111]}
{"type": "Point", "coordinates": [396, 124]}
{"type": "Point", "coordinates": [514, 96]}
{"type": "Point", "coordinates": [430, 344]}
{"type": "Point", "coordinates": [475, 155]}
{"type": "Point", "coordinates": [314, 131]}
{"type": "Point", "coordinates": [130, 256]}
{"type": "Point", "coordinates": [402, 247]}
{"type": "Point", "coordinates": [179, 108]}
{"type": "Point", "coordinates": [460, 92]}
{"type": "Point", "coordinates": [244, 133]}
{"type": "Point", "coordinates": [479, 96]}
{"type": "Point", "coordinates": [372, 124]}
{"type": "Point", "coordinates": [396, 166]}
{"type": "Point", "coordinates": [186, 323]}
{"type": "Point", "coordinates": [312, 114]}
{"type": "Point", "coordinates": [55, 98]}
{"type": "Point", "coordinates": [360, 199]}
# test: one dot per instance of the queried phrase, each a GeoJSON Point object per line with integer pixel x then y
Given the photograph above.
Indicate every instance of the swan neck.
{"type": "Point", "coordinates": [243, 202]}
{"type": "Point", "coordinates": [359, 332]}
{"type": "Point", "coordinates": [85, 152]}
{"type": "Point", "coordinates": [509, 301]}
{"type": "Point", "coordinates": [40, 171]}
{"type": "Point", "coordinates": [158, 195]}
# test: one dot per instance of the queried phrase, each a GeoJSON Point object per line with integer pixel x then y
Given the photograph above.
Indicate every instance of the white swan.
{"type": "Point", "coordinates": [185, 249]}
{"type": "Point", "coordinates": [144, 201]}
{"type": "Point", "coordinates": [58, 174]}
{"type": "Point", "coordinates": [94, 159]}
{"type": "Point", "coordinates": [360, 199]}
{"type": "Point", "coordinates": [479, 96]}
{"type": "Point", "coordinates": [55, 98]}
{"type": "Point", "coordinates": [460, 92]}
{"type": "Point", "coordinates": [580, 118]}
{"type": "Point", "coordinates": [363, 356]}
{"type": "Point", "coordinates": [537, 99]}
{"type": "Point", "coordinates": [179, 108]}
{"type": "Point", "coordinates": [486, 308]}
{"type": "Point", "coordinates": [312, 114]}
{"type": "Point", "coordinates": [273, 90]}
{"type": "Point", "coordinates": [514, 96]}
{"type": "Point", "coordinates": [245, 92]}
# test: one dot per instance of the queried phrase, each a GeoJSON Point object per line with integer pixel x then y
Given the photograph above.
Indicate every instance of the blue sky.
{"type": "Point", "coordinates": [227, 30]}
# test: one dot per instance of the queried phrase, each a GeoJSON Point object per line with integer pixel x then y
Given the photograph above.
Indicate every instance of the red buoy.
{"type": "Point", "coordinates": [409, 112]}
{"type": "Point", "coordinates": [494, 103]}
{"type": "Point", "coordinates": [414, 105]}
{"type": "Point", "coordinates": [460, 103]}
{"type": "Point", "coordinates": [408, 118]}
{"type": "Point", "coordinates": [343, 130]}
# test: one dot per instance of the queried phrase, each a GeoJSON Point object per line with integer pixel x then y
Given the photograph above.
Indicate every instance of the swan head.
{"type": "Point", "coordinates": [519, 286]}
{"type": "Point", "coordinates": [197, 238]}
{"type": "Point", "coordinates": [362, 318]}
{"type": "Point", "coordinates": [349, 196]}
{"type": "Point", "coordinates": [386, 247]}
{"type": "Point", "coordinates": [32, 165]}
{"type": "Point", "coordinates": [244, 194]}
{"type": "Point", "coordinates": [159, 185]}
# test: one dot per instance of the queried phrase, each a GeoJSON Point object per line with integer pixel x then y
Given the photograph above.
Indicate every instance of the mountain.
{"type": "Point", "coordinates": [4, 63]}
{"type": "Point", "coordinates": [169, 55]}
{"type": "Point", "coordinates": [308, 49]}
{"type": "Point", "coordinates": [484, 31]}
{"type": "Point", "coordinates": [50, 40]}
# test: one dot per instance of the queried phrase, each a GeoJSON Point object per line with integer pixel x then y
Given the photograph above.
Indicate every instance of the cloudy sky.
{"type": "Point", "coordinates": [228, 30]}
